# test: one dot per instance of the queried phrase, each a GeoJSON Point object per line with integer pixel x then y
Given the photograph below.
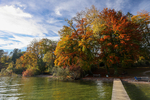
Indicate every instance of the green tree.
{"type": "Point", "coordinates": [41, 65]}
{"type": "Point", "coordinates": [4, 58]}
{"type": "Point", "coordinates": [49, 58]}
{"type": "Point", "coordinates": [1, 53]}
{"type": "Point", "coordinates": [35, 54]}
{"type": "Point", "coordinates": [15, 54]}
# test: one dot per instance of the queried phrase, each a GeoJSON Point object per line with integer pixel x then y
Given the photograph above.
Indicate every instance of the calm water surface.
{"type": "Point", "coordinates": [38, 88]}
{"type": "Point", "coordinates": [138, 91]}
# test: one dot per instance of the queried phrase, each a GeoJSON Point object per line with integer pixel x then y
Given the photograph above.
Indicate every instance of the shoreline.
{"type": "Point", "coordinates": [110, 79]}
{"type": "Point", "coordinates": [128, 79]}
{"type": "Point", "coordinates": [132, 80]}
{"type": "Point", "coordinates": [51, 76]}
{"type": "Point", "coordinates": [104, 79]}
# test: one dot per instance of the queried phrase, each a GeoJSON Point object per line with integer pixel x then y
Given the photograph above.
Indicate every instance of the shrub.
{"type": "Point", "coordinates": [61, 73]}
{"type": "Point", "coordinates": [75, 72]}
{"type": "Point", "coordinates": [65, 73]}
{"type": "Point", "coordinates": [49, 69]}
{"type": "Point", "coordinates": [30, 72]}
{"type": "Point", "coordinates": [6, 72]}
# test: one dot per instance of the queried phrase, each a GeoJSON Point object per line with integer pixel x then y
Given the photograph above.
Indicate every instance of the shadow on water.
{"type": "Point", "coordinates": [134, 92]}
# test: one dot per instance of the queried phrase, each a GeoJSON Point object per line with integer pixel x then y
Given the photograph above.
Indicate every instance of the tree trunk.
{"type": "Point", "coordinates": [115, 70]}
{"type": "Point", "coordinates": [108, 72]}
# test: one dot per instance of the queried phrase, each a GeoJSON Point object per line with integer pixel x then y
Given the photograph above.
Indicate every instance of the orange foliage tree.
{"type": "Point", "coordinates": [75, 50]}
{"type": "Point", "coordinates": [108, 36]}
{"type": "Point", "coordinates": [120, 39]}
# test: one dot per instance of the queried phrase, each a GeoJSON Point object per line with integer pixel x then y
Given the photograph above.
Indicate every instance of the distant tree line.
{"type": "Point", "coordinates": [38, 58]}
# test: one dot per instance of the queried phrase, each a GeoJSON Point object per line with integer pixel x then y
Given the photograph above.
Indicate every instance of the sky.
{"type": "Point", "coordinates": [21, 21]}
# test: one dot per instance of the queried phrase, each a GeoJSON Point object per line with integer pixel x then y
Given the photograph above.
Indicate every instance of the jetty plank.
{"type": "Point", "coordinates": [118, 92]}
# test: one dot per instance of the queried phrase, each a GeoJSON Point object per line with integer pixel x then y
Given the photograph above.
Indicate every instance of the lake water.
{"type": "Point", "coordinates": [138, 91]}
{"type": "Point", "coordinates": [38, 88]}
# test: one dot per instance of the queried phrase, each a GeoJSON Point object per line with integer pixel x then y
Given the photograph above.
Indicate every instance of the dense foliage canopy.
{"type": "Point", "coordinates": [108, 36]}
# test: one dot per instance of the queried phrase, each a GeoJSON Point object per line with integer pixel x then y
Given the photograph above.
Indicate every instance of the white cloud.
{"type": "Point", "coordinates": [117, 4]}
{"type": "Point", "coordinates": [69, 8]}
{"type": "Point", "coordinates": [13, 45]}
{"type": "Point", "coordinates": [54, 21]}
{"type": "Point", "coordinates": [23, 41]}
{"type": "Point", "coordinates": [13, 12]}
{"type": "Point", "coordinates": [57, 11]}
{"type": "Point", "coordinates": [20, 28]}
{"type": "Point", "coordinates": [16, 21]}
{"type": "Point", "coordinates": [27, 40]}
{"type": "Point", "coordinates": [57, 38]}
{"type": "Point", "coordinates": [15, 42]}
{"type": "Point", "coordinates": [3, 42]}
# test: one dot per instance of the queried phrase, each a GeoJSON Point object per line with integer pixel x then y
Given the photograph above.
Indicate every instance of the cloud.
{"type": "Point", "coordinates": [18, 28]}
{"type": "Point", "coordinates": [118, 4]}
{"type": "Point", "coordinates": [15, 42]}
{"type": "Point", "coordinates": [14, 20]}
{"type": "Point", "coordinates": [141, 5]}
{"type": "Point", "coordinates": [69, 8]}
{"type": "Point", "coordinates": [15, 12]}
{"type": "Point", "coordinates": [3, 42]}
{"type": "Point", "coordinates": [56, 38]}
{"type": "Point", "coordinates": [21, 41]}
{"type": "Point", "coordinates": [55, 22]}
{"type": "Point", "coordinates": [57, 11]}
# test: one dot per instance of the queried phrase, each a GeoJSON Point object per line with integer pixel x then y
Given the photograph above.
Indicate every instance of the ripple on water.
{"type": "Point", "coordinates": [36, 88]}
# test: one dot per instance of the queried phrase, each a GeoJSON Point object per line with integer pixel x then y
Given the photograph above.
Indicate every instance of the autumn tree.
{"type": "Point", "coordinates": [120, 39]}
{"type": "Point", "coordinates": [34, 55]}
{"type": "Point", "coordinates": [33, 58]}
{"type": "Point", "coordinates": [20, 66]}
{"type": "Point", "coordinates": [15, 54]}
{"type": "Point", "coordinates": [49, 58]}
{"type": "Point", "coordinates": [143, 20]}
{"type": "Point", "coordinates": [107, 36]}
{"type": "Point", "coordinates": [77, 46]}
{"type": "Point", "coordinates": [48, 48]}
{"type": "Point", "coordinates": [29, 60]}
{"type": "Point", "coordinates": [5, 59]}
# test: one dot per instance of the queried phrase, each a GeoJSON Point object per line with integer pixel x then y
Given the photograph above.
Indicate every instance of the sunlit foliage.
{"type": "Point", "coordinates": [107, 36]}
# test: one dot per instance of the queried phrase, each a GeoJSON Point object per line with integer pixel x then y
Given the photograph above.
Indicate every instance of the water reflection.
{"type": "Point", "coordinates": [33, 88]}
{"type": "Point", "coordinates": [103, 88]}
{"type": "Point", "coordinates": [9, 88]}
